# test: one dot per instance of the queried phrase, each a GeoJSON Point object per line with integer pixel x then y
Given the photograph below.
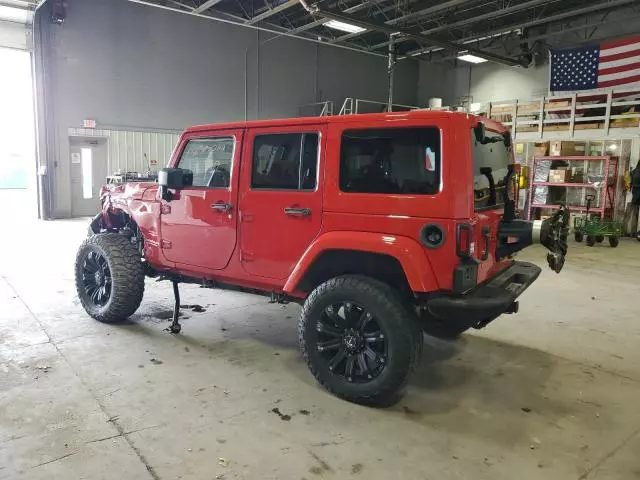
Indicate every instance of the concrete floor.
{"type": "Point", "coordinates": [552, 392]}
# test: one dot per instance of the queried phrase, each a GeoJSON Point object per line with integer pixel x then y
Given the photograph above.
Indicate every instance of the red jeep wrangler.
{"type": "Point", "coordinates": [382, 226]}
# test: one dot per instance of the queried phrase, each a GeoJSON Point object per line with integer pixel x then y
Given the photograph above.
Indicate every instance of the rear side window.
{"type": "Point", "coordinates": [391, 160]}
{"type": "Point", "coordinates": [210, 161]}
{"type": "Point", "coordinates": [285, 161]}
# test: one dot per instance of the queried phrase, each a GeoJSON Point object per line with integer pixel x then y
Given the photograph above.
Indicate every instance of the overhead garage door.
{"type": "Point", "coordinates": [15, 28]}
{"type": "Point", "coordinates": [17, 149]}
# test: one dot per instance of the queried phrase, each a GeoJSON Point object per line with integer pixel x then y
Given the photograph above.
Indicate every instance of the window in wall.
{"type": "Point", "coordinates": [86, 158]}
{"type": "Point", "coordinates": [285, 161]}
{"type": "Point", "coordinates": [210, 160]}
{"type": "Point", "coordinates": [391, 160]}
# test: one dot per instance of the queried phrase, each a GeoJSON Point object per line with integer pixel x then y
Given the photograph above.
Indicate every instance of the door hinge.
{"type": "Point", "coordinates": [166, 244]}
{"type": "Point", "coordinates": [246, 256]}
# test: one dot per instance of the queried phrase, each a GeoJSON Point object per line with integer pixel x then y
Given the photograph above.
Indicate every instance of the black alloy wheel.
{"type": "Point", "coordinates": [360, 339]}
{"type": "Point", "coordinates": [109, 276]}
{"type": "Point", "coordinates": [96, 278]}
{"type": "Point", "coordinates": [351, 342]}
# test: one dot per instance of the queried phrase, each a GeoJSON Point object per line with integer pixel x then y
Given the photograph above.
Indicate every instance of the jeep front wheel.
{"type": "Point", "coordinates": [358, 339]}
{"type": "Point", "coordinates": [109, 277]}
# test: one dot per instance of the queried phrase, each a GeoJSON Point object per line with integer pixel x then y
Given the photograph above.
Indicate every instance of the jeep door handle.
{"type": "Point", "coordinates": [297, 212]}
{"type": "Point", "coordinates": [222, 207]}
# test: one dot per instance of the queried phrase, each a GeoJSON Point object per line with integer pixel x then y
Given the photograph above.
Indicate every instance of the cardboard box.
{"type": "Point", "coordinates": [560, 148]}
{"type": "Point", "coordinates": [541, 149]}
{"type": "Point", "coordinates": [559, 176]}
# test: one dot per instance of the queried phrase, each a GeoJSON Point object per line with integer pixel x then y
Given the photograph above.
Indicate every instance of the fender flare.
{"type": "Point", "coordinates": [407, 251]}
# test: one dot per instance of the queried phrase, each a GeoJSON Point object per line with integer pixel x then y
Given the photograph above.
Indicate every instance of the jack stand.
{"type": "Point", "coordinates": [175, 326]}
{"type": "Point", "coordinates": [278, 298]}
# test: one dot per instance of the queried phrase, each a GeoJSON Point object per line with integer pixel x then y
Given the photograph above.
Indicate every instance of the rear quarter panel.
{"type": "Point", "coordinates": [405, 215]}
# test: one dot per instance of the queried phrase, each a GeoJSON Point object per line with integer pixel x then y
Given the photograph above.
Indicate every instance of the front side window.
{"type": "Point", "coordinates": [210, 160]}
{"type": "Point", "coordinates": [285, 161]}
{"type": "Point", "coordinates": [391, 160]}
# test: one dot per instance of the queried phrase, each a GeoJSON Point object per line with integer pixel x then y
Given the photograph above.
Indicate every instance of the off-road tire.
{"type": "Point", "coordinates": [579, 236]}
{"type": "Point", "coordinates": [591, 241]}
{"type": "Point", "coordinates": [399, 324]}
{"type": "Point", "coordinates": [614, 241]}
{"type": "Point", "coordinates": [599, 238]}
{"type": "Point", "coordinates": [127, 277]}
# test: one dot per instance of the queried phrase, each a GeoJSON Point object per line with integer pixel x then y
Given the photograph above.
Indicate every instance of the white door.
{"type": "Point", "coordinates": [88, 173]}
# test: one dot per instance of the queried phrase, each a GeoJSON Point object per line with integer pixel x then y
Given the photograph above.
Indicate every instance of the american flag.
{"type": "Point", "coordinates": [608, 65]}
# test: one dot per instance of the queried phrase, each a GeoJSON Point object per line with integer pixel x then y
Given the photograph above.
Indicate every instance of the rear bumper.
{"type": "Point", "coordinates": [486, 302]}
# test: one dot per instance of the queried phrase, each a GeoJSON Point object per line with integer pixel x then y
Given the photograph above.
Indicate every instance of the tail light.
{"type": "Point", "coordinates": [465, 246]}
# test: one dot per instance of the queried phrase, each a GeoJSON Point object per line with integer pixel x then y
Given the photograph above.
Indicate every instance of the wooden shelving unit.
{"type": "Point", "coordinates": [615, 113]}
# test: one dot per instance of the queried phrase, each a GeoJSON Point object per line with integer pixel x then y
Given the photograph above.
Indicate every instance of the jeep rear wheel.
{"type": "Point", "coordinates": [359, 340]}
{"type": "Point", "coordinates": [109, 277]}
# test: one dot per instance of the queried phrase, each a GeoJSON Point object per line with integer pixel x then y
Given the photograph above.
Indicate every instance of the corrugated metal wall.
{"type": "Point", "coordinates": [130, 151]}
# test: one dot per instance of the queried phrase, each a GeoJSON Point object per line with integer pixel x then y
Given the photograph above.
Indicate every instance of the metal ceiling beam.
{"type": "Point", "coordinates": [339, 16]}
{"type": "Point", "coordinates": [274, 31]}
{"type": "Point", "coordinates": [420, 13]}
{"type": "Point", "coordinates": [218, 13]}
{"type": "Point", "coordinates": [394, 21]}
{"type": "Point", "coordinates": [428, 11]}
{"type": "Point", "coordinates": [464, 41]}
{"type": "Point", "coordinates": [273, 11]}
{"type": "Point", "coordinates": [488, 16]}
{"type": "Point", "coordinates": [581, 11]}
{"type": "Point", "coordinates": [560, 16]}
{"type": "Point", "coordinates": [533, 23]}
{"type": "Point", "coordinates": [206, 6]}
{"type": "Point", "coordinates": [354, 9]}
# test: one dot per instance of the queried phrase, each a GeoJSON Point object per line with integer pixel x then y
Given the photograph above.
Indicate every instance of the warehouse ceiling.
{"type": "Point", "coordinates": [509, 32]}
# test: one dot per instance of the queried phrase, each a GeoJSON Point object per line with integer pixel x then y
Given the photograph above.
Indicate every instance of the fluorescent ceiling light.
{"type": "Point", "coordinates": [344, 27]}
{"type": "Point", "coordinates": [471, 58]}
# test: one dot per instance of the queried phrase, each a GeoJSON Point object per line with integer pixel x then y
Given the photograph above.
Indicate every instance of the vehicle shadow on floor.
{"type": "Point", "coordinates": [473, 374]}
{"type": "Point", "coordinates": [476, 385]}
{"type": "Point", "coordinates": [470, 384]}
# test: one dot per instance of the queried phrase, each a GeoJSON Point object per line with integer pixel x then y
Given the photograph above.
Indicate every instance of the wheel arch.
{"type": "Point", "coordinates": [111, 219]}
{"type": "Point", "coordinates": [397, 261]}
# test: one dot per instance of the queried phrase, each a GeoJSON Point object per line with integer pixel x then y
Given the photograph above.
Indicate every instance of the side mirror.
{"type": "Point", "coordinates": [173, 178]}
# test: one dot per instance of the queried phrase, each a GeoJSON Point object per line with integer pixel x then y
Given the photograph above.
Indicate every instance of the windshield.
{"type": "Point", "coordinates": [491, 160]}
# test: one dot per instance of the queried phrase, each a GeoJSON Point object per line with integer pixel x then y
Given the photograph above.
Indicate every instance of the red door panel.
{"type": "Point", "coordinates": [199, 224]}
{"type": "Point", "coordinates": [279, 217]}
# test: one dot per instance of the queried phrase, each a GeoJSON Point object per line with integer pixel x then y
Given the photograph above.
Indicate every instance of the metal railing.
{"type": "Point", "coordinates": [317, 109]}
{"type": "Point", "coordinates": [359, 105]}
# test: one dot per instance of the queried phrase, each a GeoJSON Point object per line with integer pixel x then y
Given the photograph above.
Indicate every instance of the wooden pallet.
{"type": "Point", "coordinates": [527, 107]}
{"type": "Point", "coordinates": [560, 127]}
